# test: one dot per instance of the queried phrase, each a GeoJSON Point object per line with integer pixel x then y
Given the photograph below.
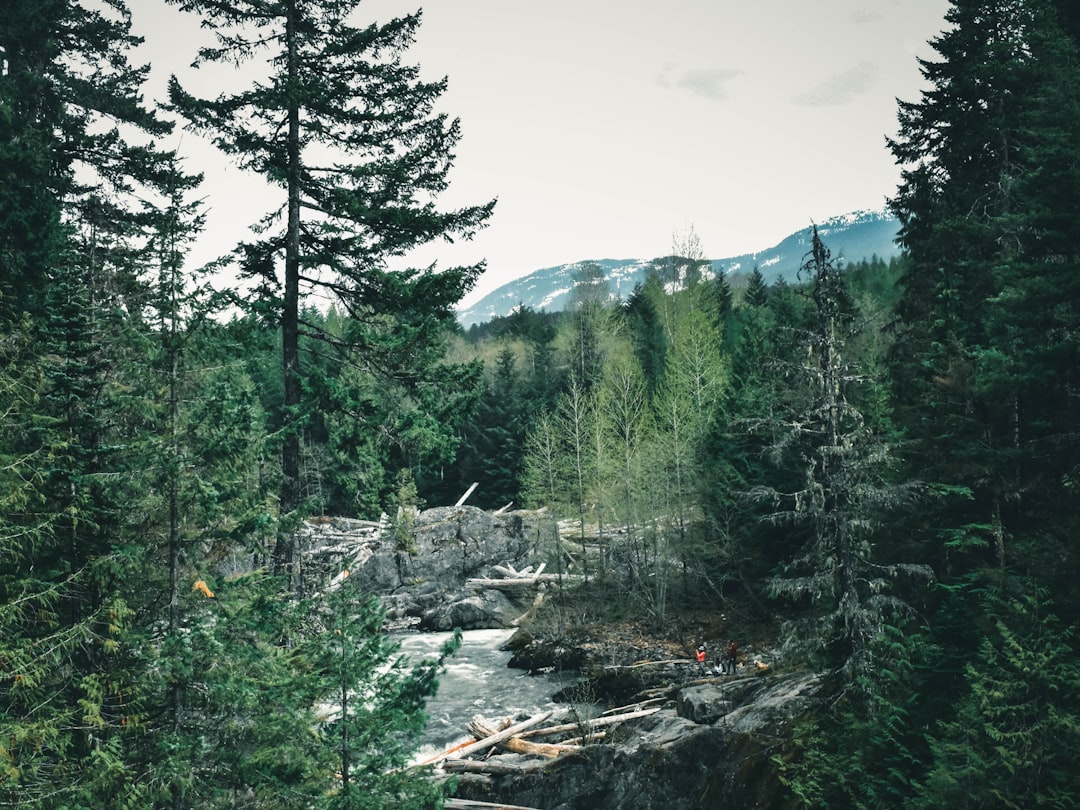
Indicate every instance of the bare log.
{"type": "Point", "coordinates": [468, 492]}
{"type": "Point", "coordinates": [633, 707]}
{"type": "Point", "coordinates": [480, 728]}
{"type": "Point", "coordinates": [520, 582]}
{"type": "Point", "coordinates": [469, 804]}
{"type": "Point", "coordinates": [651, 663]}
{"type": "Point", "coordinates": [452, 750]}
{"type": "Point", "coordinates": [493, 739]}
{"type": "Point", "coordinates": [488, 766]}
{"type": "Point", "coordinates": [588, 738]}
{"type": "Point", "coordinates": [585, 725]}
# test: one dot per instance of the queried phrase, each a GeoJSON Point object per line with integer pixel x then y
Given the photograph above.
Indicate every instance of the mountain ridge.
{"type": "Point", "coordinates": [850, 237]}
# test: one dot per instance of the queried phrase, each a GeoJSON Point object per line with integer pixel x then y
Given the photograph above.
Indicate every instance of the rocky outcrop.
{"type": "Point", "coordinates": [712, 748]}
{"type": "Point", "coordinates": [422, 578]}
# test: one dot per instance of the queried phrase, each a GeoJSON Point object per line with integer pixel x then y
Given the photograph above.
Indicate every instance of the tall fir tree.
{"type": "Point", "coordinates": [348, 134]}
{"type": "Point", "coordinates": [847, 487]}
{"type": "Point", "coordinates": [988, 204]}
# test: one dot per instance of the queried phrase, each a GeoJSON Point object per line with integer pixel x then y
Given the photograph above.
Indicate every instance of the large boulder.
{"type": "Point", "coordinates": [484, 610]}
{"type": "Point", "coordinates": [423, 576]}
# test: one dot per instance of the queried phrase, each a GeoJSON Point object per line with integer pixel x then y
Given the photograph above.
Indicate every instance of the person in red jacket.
{"type": "Point", "coordinates": [701, 657]}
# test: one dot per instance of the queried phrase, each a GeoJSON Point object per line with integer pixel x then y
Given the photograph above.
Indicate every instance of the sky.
{"type": "Point", "coordinates": [614, 128]}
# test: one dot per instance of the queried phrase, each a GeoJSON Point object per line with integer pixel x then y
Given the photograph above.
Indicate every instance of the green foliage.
{"type": "Point", "coordinates": [864, 750]}
{"type": "Point", "coordinates": [404, 505]}
{"type": "Point", "coordinates": [340, 220]}
{"type": "Point", "coordinates": [375, 706]}
{"type": "Point", "coordinates": [1012, 740]}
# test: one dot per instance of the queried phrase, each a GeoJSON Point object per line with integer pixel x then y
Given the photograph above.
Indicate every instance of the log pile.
{"type": "Point", "coordinates": [519, 738]}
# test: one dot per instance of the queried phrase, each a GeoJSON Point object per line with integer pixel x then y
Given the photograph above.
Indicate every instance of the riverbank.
{"type": "Point", "coordinates": [703, 737]}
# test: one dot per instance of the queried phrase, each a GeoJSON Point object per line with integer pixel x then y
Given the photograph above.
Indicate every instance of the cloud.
{"type": "Point", "coordinates": [863, 16]}
{"type": "Point", "coordinates": [710, 83]}
{"type": "Point", "coordinates": [840, 88]}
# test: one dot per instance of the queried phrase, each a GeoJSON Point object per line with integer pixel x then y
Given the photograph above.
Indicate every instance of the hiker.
{"type": "Point", "coordinates": [732, 656]}
{"type": "Point", "coordinates": [701, 658]}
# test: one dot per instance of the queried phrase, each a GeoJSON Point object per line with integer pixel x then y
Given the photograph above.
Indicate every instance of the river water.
{"type": "Point", "coordinates": [477, 681]}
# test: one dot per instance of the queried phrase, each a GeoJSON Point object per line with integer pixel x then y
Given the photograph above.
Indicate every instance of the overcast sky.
{"type": "Point", "coordinates": [608, 128]}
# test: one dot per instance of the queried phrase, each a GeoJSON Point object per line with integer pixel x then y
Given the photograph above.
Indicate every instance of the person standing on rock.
{"type": "Point", "coordinates": [732, 656]}
{"type": "Point", "coordinates": [701, 658]}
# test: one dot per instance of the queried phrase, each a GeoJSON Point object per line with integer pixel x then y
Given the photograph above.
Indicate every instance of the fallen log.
{"type": "Point", "coordinates": [537, 601]}
{"type": "Point", "coordinates": [651, 663]}
{"type": "Point", "coordinates": [490, 767]}
{"type": "Point", "coordinates": [588, 738]}
{"type": "Point", "coordinates": [479, 728]}
{"type": "Point", "coordinates": [586, 725]}
{"type": "Point", "coordinates": [452, 750]}
{"type": "Point", "coordinates": [633, 707]}
{"type": "Point", "coordinates": [468, 804]}
{"type": "Point", "coordinates": [492, 740]}
{"type": "Point", "coordinates": [521, 582]}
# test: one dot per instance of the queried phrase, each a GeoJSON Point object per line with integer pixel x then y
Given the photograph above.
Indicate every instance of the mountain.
{"type": "Point", "coordinates": [850, 237]}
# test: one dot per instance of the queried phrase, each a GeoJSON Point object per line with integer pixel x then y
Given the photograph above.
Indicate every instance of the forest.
{"type": "Point", "coordinates": [882, 458]}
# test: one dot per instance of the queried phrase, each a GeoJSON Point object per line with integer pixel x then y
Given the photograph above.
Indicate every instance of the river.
{"type": "Point", "coordinates": [477, 681]}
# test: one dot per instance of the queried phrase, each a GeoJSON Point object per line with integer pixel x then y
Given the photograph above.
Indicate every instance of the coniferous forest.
{"type": "Point", "coordinates": [882, 459]}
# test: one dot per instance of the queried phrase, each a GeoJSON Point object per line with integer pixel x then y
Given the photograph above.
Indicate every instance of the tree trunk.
{"type": "Point", "coordinates": [290, 330]}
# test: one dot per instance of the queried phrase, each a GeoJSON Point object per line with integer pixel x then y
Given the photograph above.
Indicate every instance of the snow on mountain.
{"type": "Point", "coordinates": [850, 237]}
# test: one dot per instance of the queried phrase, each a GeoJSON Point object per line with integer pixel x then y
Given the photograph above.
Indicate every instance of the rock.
{"type": "Point", "coordinates": [783, 699]}
{"type": "Point", "coordinates": [535, 654]}
{"type": "Point", "coordinates": [424, 580]}
{"type": "Point", "coordinates": [490, 609]}
{"type": "Point", "coordinates": [668, 759]}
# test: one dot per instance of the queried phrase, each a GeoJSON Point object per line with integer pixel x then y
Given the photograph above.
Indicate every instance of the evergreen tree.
{"type": "Point", "coordinates": [756, 293]}
{"type": "Point", "coordinates": [1011, 742]}
{"type": "Point", "coordinates": [348, 133]}
{"type": "Point", "coordinates": [646, 330]}
{"type": "Point", "coordinates": [80, 141]}
{"type": "Point", "coordinates": [493, 437]}
{"type": "Point", "coordinates": [588, 300]}
{"type": "Point", "coordinates": [375, 710]}
{"type": "Point", "coordinates": [846, 490]}
{"type": "Point", "coordinates": [988, 206]}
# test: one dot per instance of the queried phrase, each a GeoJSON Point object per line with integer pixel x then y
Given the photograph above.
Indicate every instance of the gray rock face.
{"type": "Point", "coordinates": [668, 759]}
{"type": "Point", "coordinates": [486, 609]}
{"type": "Point", "coordinates": [424, 580]}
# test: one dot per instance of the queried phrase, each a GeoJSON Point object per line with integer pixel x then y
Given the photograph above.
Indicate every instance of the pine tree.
{"type": "Point", "coordinates": [756, 293]}
{"type": "Point", "coordinates": [587, 315]}
{"type": "Point", "coordinates": [348, 133]}
{"type": "Point", "coordinates": [646, 330]}
{"type": "Point", "coordinates": [374, 711]}
{"type": "Point", "coordinates": [845, 491]}
{"type": "Point", "coordinates": [988, 207]}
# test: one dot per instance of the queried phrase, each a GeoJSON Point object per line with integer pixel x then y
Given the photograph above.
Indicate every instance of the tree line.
{"type": "Point", "coordinates": [883, 455]}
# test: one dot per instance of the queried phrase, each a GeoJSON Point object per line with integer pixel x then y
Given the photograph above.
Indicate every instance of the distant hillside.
{"type": "Point", "coordinates": [850, 237]}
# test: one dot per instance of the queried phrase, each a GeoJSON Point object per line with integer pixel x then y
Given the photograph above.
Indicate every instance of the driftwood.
{"type": "Point", "coordinates": [513, 738]}
{"type": "Point", "coordinates": [520, 582]}
{"type": "Point", "coordinates": [633, 707]}
{"type": "Point", "coordinates": [537, 601]}
{"type": "Point", "coordinates": [585, 725]}
{"type": "Point", "coordinates": [651, 663]}
{"type": "Point", "coordinates": [588, 738]}
{"type": "Point", "coordinates": [467, 804]}
{"type": "Point", "coordinates": [489, 766]}
{"type": "Point", "coordinates": [455, 749]}
{"type": "Point", "coordinates": [478, 727]}
{"type": "Point", "coordinates": [468, 492]}
{"type": "Point", "coordinates": [499, 736]}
